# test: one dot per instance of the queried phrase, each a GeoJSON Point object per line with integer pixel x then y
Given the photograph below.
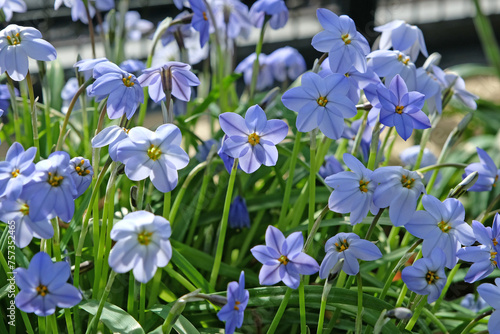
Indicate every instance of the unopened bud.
{"type": "Point", "coordinates": [433, 59]}
{"type": "Point", "coordinates": [463, 186]}
{"type": "Point", "coordinates": [335, 270]}
{"type": "Point", "coordinates": [401, 313]}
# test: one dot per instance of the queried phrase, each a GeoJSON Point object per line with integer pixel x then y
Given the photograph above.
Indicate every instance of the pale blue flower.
{"type": "Point", "coordinates": [487, 170]}
{"type": "Point", "coordinates": [491, 294]}
{"type": "Point", "coordinates": [237, 299]}
{"type": "Point", "coordinates": [403, 37]}
{"type": "Point", "coordinates": [81, 172]}
{"type": "Point", "coordinates": [276, 9]}
{"type": "Point", "coordinates": [12, 6]}
{"type": "Point", "coordinates": [16, 170]}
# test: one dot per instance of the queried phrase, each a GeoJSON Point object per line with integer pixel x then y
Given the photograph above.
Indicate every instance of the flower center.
{"type": "Point", "coordinates": [283, 259]}
{"type": "Point", "coordinates": [493, 256]}
{"type": "Point", "coordinates": [14, 39]}
{"type": "Point", "coordinates": [363, 185]}
{"type": "Point", "coordinates": [407, 183]}
{"type": "Point", "coordinates": [15, 173]}
{"type": "Point", "coordinates": [494, 183]}
{"type": "Point", "coordinates": [127, 82]}
{"type": "Point", "coordinates": [444, 226]}
{"type": "Point", "coordinates": [126, 130]}
{"type": "Point", "coordinates": [144, 238]}
{"type": "Point", "coordinates": [253, 139]}
{"type": "Point", "coordinates": [80, 170]}
{"type": "Point", "coordinates": [399, 109]}
{"type": "Point", "coordinates": [236, 303]}
{"type": "Point", "coordinates": [495, 242]}
{"type": "Point", "coordinates": [347, 75]}
{"type": "Point", "coordinates": [205, 16]}
{"type": "Point", "coordinates": [431, 277]}
{"type": "Point", "coordinates": [405, 60]}
{"type": "Point", "coordinates": [42, 290]}
{"type": "Point", "coordinates": [154, 152]}
{"type": "Point", "coordinates": [54, 180]}
{"type": "Point", "coordinates": [346, 39]}
{"type": "Point", "coordinates": [342, 245]}
{"type": "Point", "coordinates": [25, 209]}
{"type": "Point", "coordinates": [322, 101]}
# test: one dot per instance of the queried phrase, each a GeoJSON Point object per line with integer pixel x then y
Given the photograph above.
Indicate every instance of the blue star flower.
{"type": "Point", "coordinates": [112, 136]}
{"type": "Point", "coordinates": [44, 286]}
{"type": "Point", "coordinates": [352, 190]}
{"type": "Point", "coordinates": [387, 64]}
{"type": "Point", "coordinates": [237, 299]}
{"type": "Point", "coordinates": [350, 133]}
{"type": "Point", "coordinates": [276, 9]}
{"type": "Point", "coordinates": [204, 149]}
{"type": "Point", "coordinates": [201, 20]}
{"type": "Point", "coordinates": [321, 102]}
{"type": "Point", "coordinates": [16, 170]}
{"type": "Point", "coordinates": [176, 77]}
{"type": "Point", "coordinates": [265, 78]}
{"type": "Point", "coordinates": [402, 36]}
{"type": "Point", "coordinates": [286, 64]}
{"type": "Point", "coordinates": [5, 96]}
{"type": "Point", "coordinates": [401, 108]}
{"type": "Point", "coordinates": [238, 214]}
{"type": "Point", "coordinates": [426, 276]}
{"type": "Point", "coordinates": [475, 305]}
{"type": "Point", "coordinates": [488, 172]}
{"type": "Point", "coordinates": [484, 256]}
{"type": "Point", "coordinates": [350, 247]}
{"type": "Point", "coordinates": [182, 30]}
{"type": "Point", "coordinates": [441, 225]}
{"type": "Point", "coordinates": [81, 172]}
{"type": "Point", "coordinates": [330, 166]}
{"type": "Point", "coordinates": [253, 139]}
{"type": "Point", "coordinates": [283, 259]}
{"type": "Point", "coordinates": [429, 86]}
{"type": "Point", "coordinates": [78, 11]}
{"type": "Point", "coordinates": [345, 46]}
{"type": "Point", "coordinates": [409, 158]}
{"type": "Point", "coordinates": [231, 16]}
{"type": "Point", "coordinates": [52, 189]}
{"type": "Point", "coordinates": [24, 228]}
{"type": "Point", "coordinates": [156, 155]}
{"type": "Point", "coordinates": [12, 6]}
{"type": "Point", "coordinates": [132, 65]}
{"type": "Point", "coordinates": [17, 44]}
{"type": "Point", "coordinates": [122, 89]}
{"type": "Point", "coordinates": [399, 189]}
{"type": "Point", "coordinates": [491, 294]}
{"type": "Point", "coordinates": [142, 245]}
{"type": "Point", "coordinates": [456, 84]}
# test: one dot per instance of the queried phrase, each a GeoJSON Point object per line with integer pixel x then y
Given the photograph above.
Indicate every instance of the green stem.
{"type": "Point", "coordinates": [223, 225]}
{"type": "Point", "coordinates": [312, 181]}
{"type": "Point", "coordinates": [324, 298]}
{"type": "Point", "coordinates": [34, 119]}
{"type": "Point", "coordinates": [416, 314]}
{"type": "Point", "coordinates": [449, 280]}
{"type": "Point", "coordinates": [359, 315]}
{"type": "Point", "coordinates": [382, 147]}
{"type": "Point", "coordinates": [302, 308]}
{"type": "Point", "coordinates": [373, 224]}
{"type": "Point", "coordinates": [13, 103]}
{"type": "Point", "coordinates": [95, 320]}
{"type": "Point", "coordinates": [166, 204]}
{"type": "Point", "coordinates": [249, 237]}
{"type": "Point", "coordinates": [425, 138]}
{"type": "Point", "coordinates": [359, 135]}
{"type": "Point", "coordinates": [314, 229]}
{"type": "Point", "coordinates": [130, 295]}
{"type": "Point", "coordinates": [289, 181]}
{"type": "Point", "coordinates": [256, 64]}
{"type": "Point", "coordinates": [199, 205]}
{"type": "Point", "coordinates": [142, 304]}
{"type": "Point", "coordinates": [279, 313]}
{"type": "Point", "coordinates": [182, 191]}
{"type": "Point", "coordinates": [475, 321]}
{"type": "Point", "coordinates": [155, 289]}
{"type": "Point", "coordinates": [389, 150]}
{"type": "Point", "coordinates": [439, 166]}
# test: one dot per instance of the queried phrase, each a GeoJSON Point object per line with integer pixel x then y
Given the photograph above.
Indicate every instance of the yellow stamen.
{"type": "Point", "coordinates": [54, 180]}
{"type": "Point", "coordinates": [322, 101]}
{"type": "Point", "coordinates": [127, 81]}
{"type": "Point", "coordinates": [407, 183]}
{"type": "Point", "coordinates": [15, 173]}
{"type": "Point", "coordinates": [342, 246]}
{"type": "Point", "coordinates": [205, 16]}
{"type": "Point", "coordinates": [42, 290]}
{"type": "Point", "coordinates": [253, 139]}
{"type": "Point", "coordinates": [283, 259]}
{"type": "Point", "coordinates": [25, 209]}
{"type": "Point", "coordinates": [144, 238]}
{"type": "Point", "coordinates": [154, 152]}
{"type": "Point", "coordinates": [363, 185]}
{"type": "Point", "coordinates": [431, 277]}
{"type": "Point", "coordinates": [399, 109]}
{"type": "Point", "coordinates": [444, 226]}
{"type": "Point", "coordinates": [346, 39]}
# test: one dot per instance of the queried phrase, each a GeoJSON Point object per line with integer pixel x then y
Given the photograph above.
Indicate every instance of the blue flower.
{"type": "Point", "coordinates": [441, 225]}
{"type": "Point", "coordinates": [389, 63]}
{"type": "Point", "coordinates": [87, 66]}
{"type": "Point", "coordinates": [134, 26]}
{"type": "Point", "coordinates": [276, 9]}
{"type": "Point", "coordinates": [12, 6]}
{"type": "Point", "coordinates": [409, 158]}
{"type": "Point", "coordinates": [484, 256]}
{"type": "Point", "coordinates": [321, 102]}
{"type": "Point", "coordinates": [286, 64]}
{"type": "Point", "coordinates": [350, 247]}
{"type": "Point", "coordinates": [238, 214]}
{"type": "Point", "coordinates": [142, 244]}
{"type": "Point", "coordinates": [44, 286]}
{"type": "Point", "coordinates": [81, 172]}
{"type": "Point", "coordinates": [231, 16]}
{"type": "Point", "coordinates": [112, 136]}
{"type": "Point", "coordinates": [5, 96]}
{"type": "Point", "coordinates": [283, 259]}
{"type": "Point", "coordinates": [426, 276]}
{"type": "Point", "coordinates": [122, 89]}
{"type": "Point", "coordinates": [52, 189]}
{"type": "Point", "coordinates": [204, 149]}
{"type": "Point", "coordinates": [25, 228]}
{"type": "Point", "coordinates": [265, 78]}
{"type": "Point", "coordinates": [68, 92]}
{"type": "Point", "coordinates": [398, 188]}
{"type": "Point", "coordinates": [17, 44]}
{"type": "Point", "coordinates": [179, 30]}
{"type": "Point", "coordinates": [201, 20]}
{"type": "Point", "coordinates": [176, 77]}
{"type": "Point", "coordinates": [78, 11]}
{"type": "Point", "coordinates": [487, 170]}
{"type": "Point", "coordinates": [401, 108]}
{"type": "Point", "coordinates": [475, 305]}
{"type": "Point", "coordinates": [132, 65]}
{"type": "Point", "coordinates": [16, 170]}
{"type": "Point", "coordinates": [104, 5]}
{"type": "Point", "coordinates": [366, 138]}
{"type": "Point", "coordinates": [237, 299]}
{"type": "Point", "coordinates": [156, 155]}
{"type": "Point", "coordinates": [491, 294]}
{"type": "Point", "coordinates": [352, 190]}
{"type": "Point", "coordinates": [457, 86]}
{"type": "Point", "coordinates": [330, 167]}
{"type": "Point", "coordinates": [226, 159]}
{"type": "Point", "coordinates": [403, 37]}
{"type": "Point", "coordinates": [253, 140]}
{"type": "Point", "coordinates": [345, 46]}
{"type": "Point", "coordinates": [428, 85]}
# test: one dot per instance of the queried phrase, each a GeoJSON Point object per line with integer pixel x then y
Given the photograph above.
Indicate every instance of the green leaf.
{"type": "Point", "coordinates": [115, 318]}
{"type": "Point", "coordinates": [182, 325]}
{"type": "Point", "coordinates": [189, 270]}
